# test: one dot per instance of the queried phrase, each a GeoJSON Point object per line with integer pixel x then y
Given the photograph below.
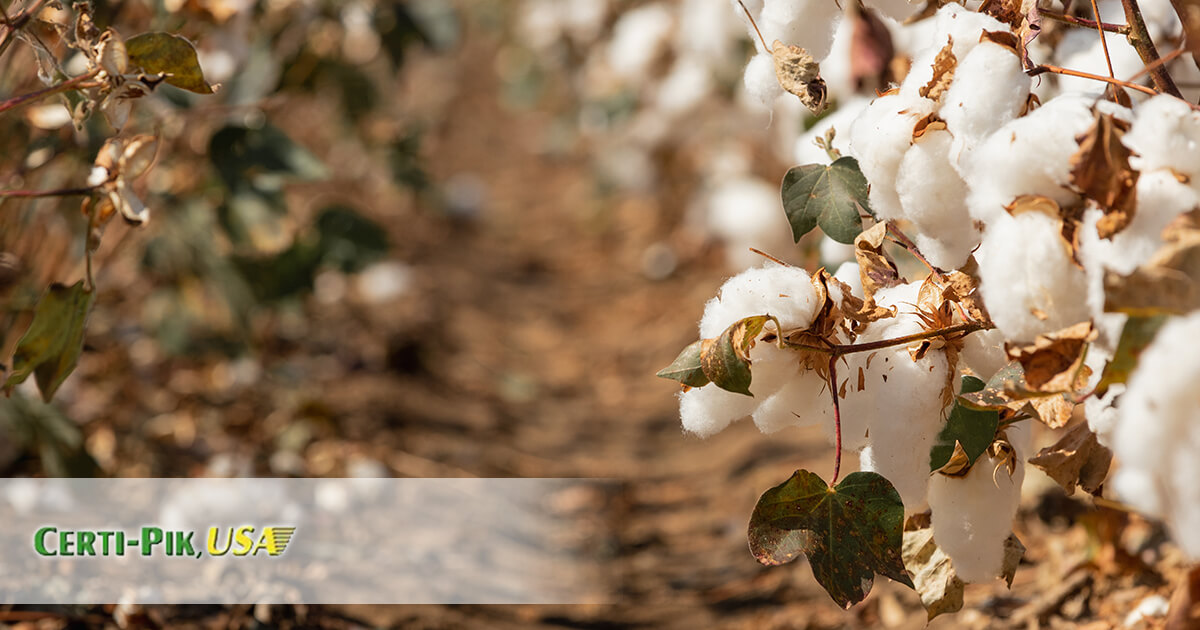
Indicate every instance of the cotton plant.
{"type": "Point", "coordinates": [1054, 233]}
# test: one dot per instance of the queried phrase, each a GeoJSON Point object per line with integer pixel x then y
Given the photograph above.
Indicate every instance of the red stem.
{"type": "Point", "coordinates": [837, 419]}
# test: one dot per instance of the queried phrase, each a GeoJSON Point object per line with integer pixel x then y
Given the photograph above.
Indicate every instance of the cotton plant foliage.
{"type": "Point", "coordinates": [1027, 251]}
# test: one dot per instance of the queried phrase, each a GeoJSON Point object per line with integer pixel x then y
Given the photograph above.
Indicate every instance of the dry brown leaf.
{"type": "Point", "coordinates": [958, 464]}
{"type": "Point", "coordinates": [1034, 203]}
{"type": "Point", "coordinates": [1100, 170]}
{"type": "Point", "coordinates": [1054, 411]}
{"type": "Point", "coordinates": [1004, 38]}
{"type": "Point", "coordinates": [943, 73]}
{"type": "Point", "coordinates": [932, 572]}
{"type": "Point", "coordinates": [926, 125]}
{"type": "Point", "coordinates": [1076, 459]}
{"type": "Point", "coordinates": [874, 267]}
{"type": "Point", "coordinates": [799, 74]}
{"type": "Point", "coordinates": [1053, 360]}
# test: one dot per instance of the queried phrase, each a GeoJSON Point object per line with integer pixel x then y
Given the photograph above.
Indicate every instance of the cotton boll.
{"type": "Point", "coordinates": [804, 400]}
{"type": "Point", "coordinates": [707, 410]}
{"type": "Point", "coordinates": [908, 418]}
{"type": "Point", "coordinates": [972, 516]}
{"type": "Point", "coordinates": [951, 23]}
{"type": "Point", "coordinates": [879, 138]}
{"type": "Point", "coordinates": [1166, 135]}
{"type": "Point", "coordinates": [848, 274]}
{"type": "Point", "coordinates": [933, 199]}
{"type": "Point", "coordinates": [1028, 156]}
{"type": "Point", "coordinates": [1157, 433]}
{"type": "Point", "coordinates": [638, 37]}
{"type": "Point", "coordinates": [760, 80]}
{"type": "Point", "coordinates": [1160, 199]}
{"type": "Point", "coordinates": [1027, 278]}
{"type": "Point", "coordinates": [983, 352]}
{"type": "Point", "coordinates": [806, 23]}
{"type": "Point", "coordinates": [785, 292]}
{"type": "Point", "coordinates": [989, 89]}
{"type": "Point", "coordinates": [1102, 413]}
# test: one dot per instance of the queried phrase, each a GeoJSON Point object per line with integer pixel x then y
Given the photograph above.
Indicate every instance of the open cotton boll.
{"type": "Point", "coordinates": [1157, 434]}
{"type": "Point", "coordinates": [989, 89]}
{"type": "Point", "coordinates": [879, 138]}
{"type": "Point", "coordinates": [1027, 278]}
{"type": "Point", "coordinates": [1028, 156]}
{"type": "Point", "coordinates": [1165, 135]}
{"type": "Point", "coordinates": [785, 292]}
{"type": "Point", "coordinates": [909, 416]}
{"type": "Point", "coordinates": [760, 80]}
{"type": "Point", "coordinates": [1160, 198]}
{"type": "Point", "coordinates": [835, 254]}
{"type": "Point", "coordinates": [983, 352]}
{"type": "Point", "coordinates": [933, 198]}
{"type": "Point", "coordinates": [806, 23]}
{"type": "Point", "coordinates": [637, 39]}
{"type": "Point", "coordinates": [972, 516]}
{"type": "Point", "coordinates": [1102, 413]}
{"type": "Point", "coordinates": [951, 23]}
{"type": "Point", "coordinates": [802, 401]}
{"type": "Point", "coordinates": [707, 410]}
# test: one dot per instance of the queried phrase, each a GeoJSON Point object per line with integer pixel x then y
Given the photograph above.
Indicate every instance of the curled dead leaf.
{"type": "Point", "coordinates": [1076, 459]}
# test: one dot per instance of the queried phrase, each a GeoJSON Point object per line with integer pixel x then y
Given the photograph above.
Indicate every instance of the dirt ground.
{"type": "Point", "coordinates": [526, 347]}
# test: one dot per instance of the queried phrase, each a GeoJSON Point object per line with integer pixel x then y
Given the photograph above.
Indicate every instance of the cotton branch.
{"type": "Point", "coordinates": [1139, 38]}
{"type": "Point", "coordinates": [70, 84]}
{"type": "Point", "coordinates": [1120, 29]}
{"type": "Point", "coordinates": [36, 194]}
{"type": "Point", "coordinates": [837, 419]}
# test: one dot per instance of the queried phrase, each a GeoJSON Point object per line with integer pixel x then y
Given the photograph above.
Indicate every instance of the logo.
{"type": "Point", "coordinates": [241, 541]}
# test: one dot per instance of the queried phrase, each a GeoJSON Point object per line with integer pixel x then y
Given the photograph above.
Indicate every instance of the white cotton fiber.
{"type": "Point", "coordinates": [972, 515]}
{"type": "Point", "coordinates": [989, 90]}
{"type": "Point", "coordinates": [1166, 135]}
{"type": "Point", "coordinates": [848, 274]}
{"type": "Point", "coordinates": [638, 38]}
{"type": "Point", "coordinates": [933, 198]}
{"type": "Point", "coordinates": [983, 352]}
{"type": "Point", "coordinates": [707, 410]}
{"type": "Point", "coordinates": [1102, 414]}
{"type": "Point", "coordinates": [952, 22]}
{"type": "Point", "coordinates": [802, 401]}
{"type": "Point", "coordinates": [806, 23]}
{"type": "Point", "coordinates": [1157, 435]}
{"type": "Point", "coordinates": [1160, 198]}
{"type": "Point", "coordinates": [1028, 156]}
{"type": "Point", "coordinates": [1027, 279]}
{"type": "Point", "coordinates": [835, 254]}
{"type": "Point", "coordinates": [906, 418]}
{"type": "Point", "coordinates": [785, 292]}
{"type": "Point", "coordinates": [760, 80]}
{"type": "Point", "coordinates": [879, 138]}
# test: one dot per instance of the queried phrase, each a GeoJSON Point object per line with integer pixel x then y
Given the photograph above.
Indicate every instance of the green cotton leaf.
{"type": "Point", "coordinates": [973, 429]}
{"type": "Point", "coordinates": [849, 533]}
{"type": "Point", "coordinates": [686, 367]}
{"type": "Point", "coordinates": [826, 196]}
{"type": "Point", "coordinates": [348, 240]}
{"type": "Point", "coordinates": [169, 54]}
{"type": "Point", "coordinates": [1138, 332]}
{"type": "Point", "coordinates": [726, 359]}
{"type": "Point", "coordinates": [54, 341]}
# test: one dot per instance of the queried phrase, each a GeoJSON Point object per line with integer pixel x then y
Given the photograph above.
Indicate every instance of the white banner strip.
{"type": "Point", "coordinates": [290, 541]}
